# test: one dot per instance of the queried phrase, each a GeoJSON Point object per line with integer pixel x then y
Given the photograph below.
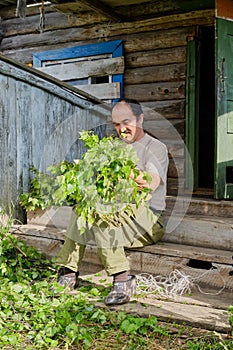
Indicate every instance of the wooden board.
{"type": "Point", "coordinates": [152, 74]}
{"type": "Point", "coordinates": [181, 313]}
{"type": "Point", "coordinates": [105, 91]}
{"type": "Point", "coordinates": [190, 252]}
{"type": "Point", "coordinates": [202, 231]}
{"type": "Point", "coordinates": [200, 207]}
{"type": "Point", "coordinates": [156, 57]}
{"type": "Point", "coordinates": [156, 91]}
{"type": "Point", "coordinates": [89, 68]}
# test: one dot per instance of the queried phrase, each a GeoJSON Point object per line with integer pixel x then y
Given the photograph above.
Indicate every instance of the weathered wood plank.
{"type": "Point", "coordinates": [102, 8]}
{"type": "Point", "coordinates": [9, 11]}
{"type": "Point", "coordinates": [89, 68]}
{"type": "Point", "coordinates": [173, 184]}
{"type": "Point", "coordinates": [160, 39]}
{"type": "Point", "coordinates": [174, 72]}
{"type": "Point", "coordinates": [54, 216]}
{"type": "Point", "coordinates": [167, 109]}
{"type": "Point", "coordinates": [207, 232]}
{"type": "Point", "coordinates": [164, 130]}
{"type": "Point", "coordinates": [9, 177]}
{"type": "Point", "coordinates": [53, 19]}
{"type": "Point", "coordinates": [201, 317]}
{"type": "Point", "coordinates": [105, 91]}
{"type": "Point", "coordinates": [24, 140]}
{"type": "Point", "coordinates": [30, 24]}
{"type": "Point", "coordinates": [199, 206]}
{"type": "Point", "coordinates": [156, 91]}
{"type": "Point", "coordinates": [78, 8]}
{"type": "Point", "coordinates": [175, 148]}
{"type": "Point", "coordinates": [152, 74]}
{"type": "Point", "coordinates": [189, 252]}
{"type": "Point", "coordinates": [150, 9]}
{"type": "Point", "coordinates": [39, 231]}
{"type": "Point", "coordinates": [176, 168]}
{"type": "Point", "coordinates": [156, 57]}
{"type": "Point", "coordinates": [49, 247]}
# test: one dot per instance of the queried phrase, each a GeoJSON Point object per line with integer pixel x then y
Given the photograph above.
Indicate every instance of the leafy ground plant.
{"type": "Point", "coordinates": [230, 309]}
{"type": "Point", "coordinates": [36, 313]}
{"type": "Point", "coordinates": [97, 186]}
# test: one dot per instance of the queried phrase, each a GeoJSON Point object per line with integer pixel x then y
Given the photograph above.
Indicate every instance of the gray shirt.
{"type": "Point", "coordinates": [153, 158]}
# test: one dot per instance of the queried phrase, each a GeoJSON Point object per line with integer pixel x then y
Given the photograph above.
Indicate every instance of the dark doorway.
{"type": "Point", "coordinates": [206, 107]}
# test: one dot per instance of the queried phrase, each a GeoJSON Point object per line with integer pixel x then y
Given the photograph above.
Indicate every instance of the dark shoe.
{"type": "Point", "coordinates": [69, 280]}
{"type": "Point", "coordinates": [121, 292]}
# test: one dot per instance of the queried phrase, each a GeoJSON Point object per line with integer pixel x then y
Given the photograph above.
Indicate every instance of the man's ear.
{"type": "Point", "coordinates": [141, 118]}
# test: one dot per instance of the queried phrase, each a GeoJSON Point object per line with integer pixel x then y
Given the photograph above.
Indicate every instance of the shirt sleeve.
{"type": "Point", "coordinates": [156, 160]}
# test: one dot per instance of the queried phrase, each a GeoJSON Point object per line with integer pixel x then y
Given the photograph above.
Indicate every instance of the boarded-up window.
{"type": "Point", "coordinates": [96, 69]}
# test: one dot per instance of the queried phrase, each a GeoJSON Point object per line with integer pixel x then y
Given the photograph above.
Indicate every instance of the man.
{"type": "Point", "coordinates": [143, 228]}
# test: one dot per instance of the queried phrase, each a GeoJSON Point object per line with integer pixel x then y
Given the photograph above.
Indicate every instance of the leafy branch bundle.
{"type": "Point", "coordinates": [97, 186]}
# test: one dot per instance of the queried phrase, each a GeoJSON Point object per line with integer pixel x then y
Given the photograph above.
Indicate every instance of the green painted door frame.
{"type": "Point", "coordinates": [191, 111]}
{"type": "Point", "coordinates": [224, 110]}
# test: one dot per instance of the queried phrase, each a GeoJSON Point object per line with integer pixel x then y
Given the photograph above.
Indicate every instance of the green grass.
{"type": "Point", "coordinates": [36, 313]}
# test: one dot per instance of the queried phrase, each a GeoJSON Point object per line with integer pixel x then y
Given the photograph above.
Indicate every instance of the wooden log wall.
{"type": "Point", "coordinates": [155, 61]}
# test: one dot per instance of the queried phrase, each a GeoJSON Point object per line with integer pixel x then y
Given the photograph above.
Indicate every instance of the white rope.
{"type": "Point", "coordinates": [175, 284]}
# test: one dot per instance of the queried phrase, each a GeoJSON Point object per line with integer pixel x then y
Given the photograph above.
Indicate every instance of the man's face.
{"type": "Point", "coordinates": [128, 127]}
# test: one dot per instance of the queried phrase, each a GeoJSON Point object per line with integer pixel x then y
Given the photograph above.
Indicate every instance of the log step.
{"type": "Point", "coordinates": [198, 230]}
{"type": "Point", "coordinates": [200, 206]}
{"type": "Point", "coordinates": [202, 231]}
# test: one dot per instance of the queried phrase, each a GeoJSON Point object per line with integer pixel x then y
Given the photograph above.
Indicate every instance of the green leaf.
{"type": "Point", "coordinates": [17, 288]}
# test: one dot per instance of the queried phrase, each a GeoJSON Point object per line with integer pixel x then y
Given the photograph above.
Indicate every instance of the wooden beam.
{"type": "Point", "coordinates": [103, 91]}
{"type": "Point", "coordinates": [100, 7]}
{"type": "Point", "coordinates": [84, 69]}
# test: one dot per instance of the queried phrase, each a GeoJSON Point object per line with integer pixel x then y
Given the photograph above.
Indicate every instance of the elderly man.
{"type": "Point", "coordinates": [145, 227]}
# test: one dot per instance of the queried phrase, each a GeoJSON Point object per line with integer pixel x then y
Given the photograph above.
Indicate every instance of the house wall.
{"type": "Point", "coordinates": [155, 62]}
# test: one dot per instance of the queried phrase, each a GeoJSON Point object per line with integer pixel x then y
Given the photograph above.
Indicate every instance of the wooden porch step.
{"type": "Point", "coordinates": [200, 230]}
{"type": "Point", "coordinates": [204, 266]}
{"type": "Point", "coordinates": [190, 252]}
{"type": "Point", "coordinates": [200, 206]}
{"type": "Point", "coordinates": [183, 205]}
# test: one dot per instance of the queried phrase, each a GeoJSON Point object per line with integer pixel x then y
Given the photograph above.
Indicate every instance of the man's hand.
{"type": "Point", "coordinates": [142, 181]}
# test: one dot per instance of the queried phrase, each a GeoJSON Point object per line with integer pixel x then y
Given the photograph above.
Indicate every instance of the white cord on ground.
{"type": "Point", "coordinates": [175, 284]}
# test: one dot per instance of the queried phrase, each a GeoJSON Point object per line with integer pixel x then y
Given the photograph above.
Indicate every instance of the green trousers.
{"type": "Point", "coordinates": [114, 259]}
